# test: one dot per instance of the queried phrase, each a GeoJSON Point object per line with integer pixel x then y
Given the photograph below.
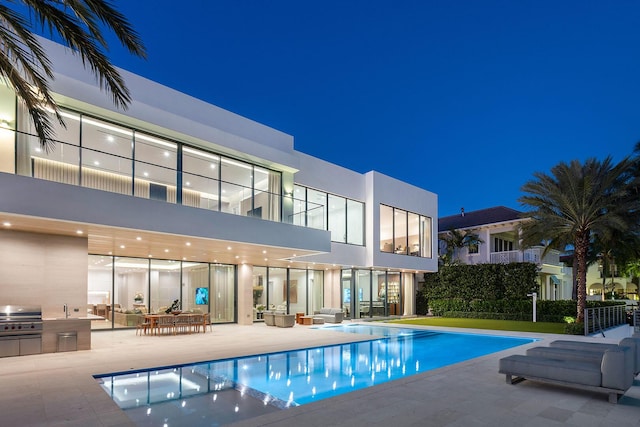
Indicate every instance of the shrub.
{"type": "Point", "coordinates": [574, 328]}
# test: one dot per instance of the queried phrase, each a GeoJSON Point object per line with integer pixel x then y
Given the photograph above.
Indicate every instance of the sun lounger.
{"type": "Point", "coordinates": [611, 374]}
{"type": "Point", "coordinates": [585, 346]}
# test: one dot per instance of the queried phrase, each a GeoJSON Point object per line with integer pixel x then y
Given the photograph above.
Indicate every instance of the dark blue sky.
{"type": "Point", "coordinates": [466, 99]}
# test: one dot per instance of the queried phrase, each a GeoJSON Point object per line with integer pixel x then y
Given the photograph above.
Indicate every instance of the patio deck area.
{"type": "Point", "coordinates": [58, 389]}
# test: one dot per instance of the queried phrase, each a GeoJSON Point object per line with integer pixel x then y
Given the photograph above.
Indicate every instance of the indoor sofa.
{"type": "Point", "coordinates": [329, 315]}
{"type": "Point", "coordinates": [609, 371]}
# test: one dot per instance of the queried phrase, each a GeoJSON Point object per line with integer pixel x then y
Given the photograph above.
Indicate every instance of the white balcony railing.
{"type": "Point", "coordinates": [533, 255]}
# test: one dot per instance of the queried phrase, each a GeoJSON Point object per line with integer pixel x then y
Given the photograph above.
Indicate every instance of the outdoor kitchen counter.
{"type": "Point", "coordinates": [53, 326]}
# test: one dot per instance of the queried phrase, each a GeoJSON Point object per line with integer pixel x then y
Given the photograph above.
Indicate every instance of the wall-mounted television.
{"type": "Point", "coordinates": [202, 296]}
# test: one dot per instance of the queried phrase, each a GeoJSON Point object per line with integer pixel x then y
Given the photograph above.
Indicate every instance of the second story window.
{"type": "Point", "coordinates": [404, 233]}
{"type": "Point", "coordinates": [317, 209]}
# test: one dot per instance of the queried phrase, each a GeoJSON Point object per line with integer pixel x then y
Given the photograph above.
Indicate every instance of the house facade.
{"type": "Point", "coordinates": [497, 230]}
{"type": "Point", "coordinates": [177, 199]}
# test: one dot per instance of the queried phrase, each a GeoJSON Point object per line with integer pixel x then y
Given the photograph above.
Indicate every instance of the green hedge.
{"type": "Point", "coordinates": [548, 311]}
{"type": "Point", "coordinates": [491, 291]}
{"type": "Point", "coordinates": [482, 281]}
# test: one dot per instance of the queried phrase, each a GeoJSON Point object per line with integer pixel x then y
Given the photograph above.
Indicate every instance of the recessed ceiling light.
{"type": "Point", "coordinates": [188, 184]}
{"type": "Point", "coordinates": [79, 232]}
{"type": "Point", "coordinates": [110, 253]}
{"type": "Point", "coordinates": [145, 173]}
{"type": "Point", "coordinates": [110, 138]}
{"type": "Point", "coordinates": [166, 154]}
{"type": "Point", "coordinates": [138, 238]}
{"type": "Point", "coordinates": [184, 258]}
{"type": "Point", "coordinates": [264, 251]}
{"type": "Point", "coordinates": [166, 250]}
{"type": "Point", "coordinates": [228, 248]}
{"type": "Point", "coordinates": [188, 243]}
{"type": "Point", "coordinates": [6, 224]}
{"type": "Point", "coordinates": [237, 256]}
{"type": "Point", "coordinates": [122, 246]}
{"type": "Point", "coordinates": [150, 256]}
{"type": "Point", "coordinates": [213, 165]}
{"type": "Point", "coordinates": [97, 163]}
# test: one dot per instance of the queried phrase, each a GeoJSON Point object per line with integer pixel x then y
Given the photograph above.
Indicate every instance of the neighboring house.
{"type": "Point", "coordinates": [179, 199]}
{"type": "Point", "coordinates": [607, 284]}
{"type": "Point", "coordinates": [497, 230]}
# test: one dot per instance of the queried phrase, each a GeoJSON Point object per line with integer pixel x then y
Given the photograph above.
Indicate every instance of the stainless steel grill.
{"type": "Point", "coordinates": [20, 330]}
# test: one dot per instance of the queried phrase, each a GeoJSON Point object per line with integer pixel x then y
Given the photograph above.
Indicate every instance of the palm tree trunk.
{"type": "Point", "coordinates": [581, 248]}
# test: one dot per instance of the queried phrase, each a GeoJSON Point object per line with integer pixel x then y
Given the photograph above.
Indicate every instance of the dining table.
{"type": "Point", "coordinates": [174, 323]}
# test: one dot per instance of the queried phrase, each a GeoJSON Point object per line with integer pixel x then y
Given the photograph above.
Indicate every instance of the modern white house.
{"type": "Point", "coordinates": [177, 199]}
{"type": "Point", "coordinates": [497, 229]}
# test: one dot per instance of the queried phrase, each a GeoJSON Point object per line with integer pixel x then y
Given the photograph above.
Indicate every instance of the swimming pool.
{"type": "Point", "coordinates": [224, 391]}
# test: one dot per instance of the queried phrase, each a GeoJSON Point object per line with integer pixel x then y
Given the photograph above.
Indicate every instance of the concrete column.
{"type": "Point", "coordinates": [409, 293]}
{"type": "Point", "coordinates": [245, 294]}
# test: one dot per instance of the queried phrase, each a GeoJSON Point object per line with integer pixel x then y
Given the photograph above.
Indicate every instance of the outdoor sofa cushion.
{"type": "Point", "coordinates": [612, 375]}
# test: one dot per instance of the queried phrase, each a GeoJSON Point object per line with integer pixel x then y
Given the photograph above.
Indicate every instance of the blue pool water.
{"type": "Point", "coordinates": [225, 391]}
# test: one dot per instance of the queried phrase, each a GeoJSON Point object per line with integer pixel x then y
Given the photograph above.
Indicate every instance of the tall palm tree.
{"type": "Point", "coordinates": [24, 64]}
{"type": "Point", "coordinates": [577, 203]}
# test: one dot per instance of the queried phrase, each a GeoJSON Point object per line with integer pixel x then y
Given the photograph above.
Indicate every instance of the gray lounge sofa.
{"type": "Point", "coordinates": [586, 348]}
{"type": "Point", "coordinates": [610, 372]}
{"type": "Point", "coordinates": [279, 319]}
{"type": "Point", "coordinates": [329, 315]}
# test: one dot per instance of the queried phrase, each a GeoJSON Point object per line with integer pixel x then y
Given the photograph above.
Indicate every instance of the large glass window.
{"type": "Point", "coordinates": [222, 293]}
{"type": "Point", "coordinates": [7, 129]}
{"type": "Point", "coordinates": [237, 181]}
{"type": "Point", "coordinates": [299, 206]}
{"type": "Point", "coordinates": [316, 290]}
{"type": "Point", "coordinates": [200, 179]}
{"type": "Point", "coordinates": [342, 216]}
{"type": "Point", "coordinates": [155, 166]}
{"type": "Point", "coordinates": [347, 300]}
{"type": "Point", "coordinates": [195, 287]}
{"type": "Point", "coordinates": [259, 292]}
{"type": "Point", "coordinates": [267, 185]}
{"type": "Point", "coordinates": [99, 290]}
{"type": "Point", "coordinates": [141, 286]}
{"type": "Point", "coordinates": [165, 284]}
{"type": "Point", "coordinates": [316, 209]}
{"type": "Point", "coordinates": [355, 222]}
{"type": "Point", "coordinates": [425, 237]}
{"type": "Point", "coordinates": [277, 289]}
{"type": "Point", "coordinates": [363, 302]}
{"type": "Point", "coordinates": [60, 164]}
{"type": "Point", "coordinates": [131, 290]}
{"type": "Point", "coordinates": [400, 231]}
{"type": "Point", "coordinates": [338, 218]}
{"type": "Point", "coordinates": [404, 233]}
{"type": "Point", "coordinates": [107, 152]}
{"type": "Point", "coordinates": [386, 229]}
{"type": "Point", "coordinates": [297, 291]}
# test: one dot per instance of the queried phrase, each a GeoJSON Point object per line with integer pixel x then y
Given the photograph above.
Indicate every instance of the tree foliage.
{"type": "Point", "coordinates": [577, 204]}
{"type": "Point", "coordinates": [79, 24]}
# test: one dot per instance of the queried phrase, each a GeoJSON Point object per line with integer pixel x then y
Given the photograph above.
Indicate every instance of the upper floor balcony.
{"type": "Point", "coordinates": [533, 255]}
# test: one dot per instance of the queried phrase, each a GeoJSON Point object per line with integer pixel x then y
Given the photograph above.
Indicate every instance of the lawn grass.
{"type": "Point", "coordinates": [500, 325]}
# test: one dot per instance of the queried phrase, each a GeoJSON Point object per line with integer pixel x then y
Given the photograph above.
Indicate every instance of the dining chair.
{"type": "Point", "coordinates": [182, 323]}
{"type": "Point", "coordinates": [206, 322]}
{"type": "Point", "coordinates": [142, 325]}
{"type": "Point", "coordinates": [166, 323]}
